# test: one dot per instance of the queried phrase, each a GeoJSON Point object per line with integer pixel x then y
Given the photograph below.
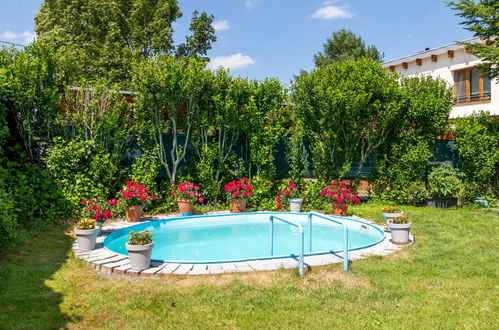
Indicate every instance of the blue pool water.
{"type": "Point", "coordinates": [237, 237]}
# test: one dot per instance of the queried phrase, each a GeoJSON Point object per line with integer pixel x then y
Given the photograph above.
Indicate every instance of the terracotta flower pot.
{"type": "Point", "coordinates": [134, 213]}
{"type": "Point", "coordinates": [185, 206]}
{"type": "Point", "coordinates": [339, 209]}
{"type": "Point", "coordinates": [238, 205]}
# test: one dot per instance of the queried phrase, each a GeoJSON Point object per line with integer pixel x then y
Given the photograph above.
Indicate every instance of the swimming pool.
{"type": "Point", "coordinates": [239, 237]}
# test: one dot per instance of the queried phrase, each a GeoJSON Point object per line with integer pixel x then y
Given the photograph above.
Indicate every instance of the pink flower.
{"type": "Point", "coordinates": [153, 197]}
{"type": "Point", "coordinates": [278, 199]}
{"type": "Point", "coordinates": [107, 214]}
{"type": "Point", "coordinates": [113, 202]}
{"type": "Point", "coordinates": [279, 206]}
{"type": "Point", "coordinates": [200, 199]}
{"type": "Point", "coordinates": [235, 194]}
{"type": "Point", "coordinates": [196, 187]}
{"type": "Point", "coordinates": [143, 198]}
{"type": "Point", "coordinates": [287, 193]}
{"type": "Point", "coordinates": [279, 192]}
{"type": "Point", "coordinates": [244, 179]}
{"type": "Point", "coordinates": [97, 216]}
{"type": "Point", "coordinates": [339, 200]}
{"type": "Point", "coordinates": [83, 202]}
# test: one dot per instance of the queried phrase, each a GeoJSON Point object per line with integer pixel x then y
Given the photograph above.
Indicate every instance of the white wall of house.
{"type": "Point", "coordinates": [443, 66]}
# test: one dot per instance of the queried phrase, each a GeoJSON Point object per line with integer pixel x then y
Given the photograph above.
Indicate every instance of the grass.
{"type": "Point", "coordinates": [448, 279]}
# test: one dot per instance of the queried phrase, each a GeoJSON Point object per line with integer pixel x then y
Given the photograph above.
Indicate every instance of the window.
{"type": "Point", "coordinates": [470, 86]}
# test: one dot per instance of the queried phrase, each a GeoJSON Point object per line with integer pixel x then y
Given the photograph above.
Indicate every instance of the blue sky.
{"type": "Point", "coordinates": [277, 38]}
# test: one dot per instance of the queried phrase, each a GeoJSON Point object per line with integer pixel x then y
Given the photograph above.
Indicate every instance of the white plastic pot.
{"type": "Point", "coordinates": [140, 256]}
{"type": "Point", "coordinates": [86, 238]}
{"type": "Point", "coordinates": [400, 232]}
{"type": "Point", "coordinates": [295, 204]}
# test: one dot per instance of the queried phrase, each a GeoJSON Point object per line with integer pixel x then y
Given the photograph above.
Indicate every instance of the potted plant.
{"type": "Point", "coordinates": [135, 197]}
{"type": "Point", "coordinates": [187, 193]}
{"type": "Point", "coordinates": [238, 192]}
{"type": "Point", "coordinates": [139, 247]}
{"type": "Point", "coordinates": [444, 185]}
{"type": "Point", "coordinates": [291, 194]}
{"type": "Point", "coordinates": [340, 197]}
{"type": "Point", "coordinates": [390, 212]}
{"type": "Point", "coordinates": [100, 212]}
{"type": "Point", "coordinates": [400, 227]}
{"type": "Point", "coordinates": [86, 231]}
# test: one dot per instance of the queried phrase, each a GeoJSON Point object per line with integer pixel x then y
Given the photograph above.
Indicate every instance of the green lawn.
{"type": "Point", "coordinates": [448, 279]}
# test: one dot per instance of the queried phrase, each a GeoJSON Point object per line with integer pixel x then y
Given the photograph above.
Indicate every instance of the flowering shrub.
{"type": "Point", "coordinates": [86, 224]}
{"type": "Point", "coordinates": [98, 211]}
{"type": "Point", "coordinates": [140, 238]}
{"type": "Point", "coordinates": [187, 190]}
{"type": "Point", "coordinates": [400, 220]}
{"type": "Point", "coordinates": [288, 192]}
{"type": "Point", "coordinates": [136, 194]}
{"type": "Point", "coordinates": [238, 188]}
{"type": "Point", "coordinates": [340, 194]}
{"type": "Point", "coordinates": [391, 209]}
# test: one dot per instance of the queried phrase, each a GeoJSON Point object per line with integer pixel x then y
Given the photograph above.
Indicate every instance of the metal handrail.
{"type": "Point", "coordinates": [345, 236]}
{"type": "Point", "coordinates": [300, 229]}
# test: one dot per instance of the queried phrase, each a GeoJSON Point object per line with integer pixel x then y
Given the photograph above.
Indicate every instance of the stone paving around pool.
{"type": "Point", "coordinates": [108, 262]}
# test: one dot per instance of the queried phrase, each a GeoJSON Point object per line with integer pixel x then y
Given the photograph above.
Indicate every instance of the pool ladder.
{"type": "Point", "coordinates": [301, 238]}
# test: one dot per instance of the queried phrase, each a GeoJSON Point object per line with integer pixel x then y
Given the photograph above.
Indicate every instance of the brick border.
{"type": "Point", "coordinates": [107, 262]}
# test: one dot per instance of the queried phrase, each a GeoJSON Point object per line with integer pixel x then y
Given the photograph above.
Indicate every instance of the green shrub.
{"type": "Point", "coordinates": [444, 181]}
{"type": "Point", "coordinates": [8, 220]}
{"type": "Point", "coordinates": [477, 139]}
{"type": "Point", "coordinates": [264, 193]}
{"type": "Point", "coordinates": [82, 171]}
{"type": "Point", "coordinates": [311, 196]}
{"type": "Point", "coordinates": [35, 194]}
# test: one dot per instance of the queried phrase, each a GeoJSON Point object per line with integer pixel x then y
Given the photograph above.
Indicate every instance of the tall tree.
{"type": "Point", "coordinates": [203, 35]}
{"type": "Point", "coordinates": [482, 18]}
{"type": "Point", "coordinates": [107, 36]}
{"type": "Point", "coordinates": [344, 44]}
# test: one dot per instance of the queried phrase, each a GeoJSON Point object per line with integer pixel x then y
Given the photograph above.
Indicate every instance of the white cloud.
{"type": "Point", "coordinates": [221, 25]}
{"type": "Point", "coordinates": [331, 12]}
{"type": "Point", "coordinates": [27, 36]}
{"type": "Point", "coordinates": [231, 62]}
{"type": "Point", "coordinates": [250, 4]}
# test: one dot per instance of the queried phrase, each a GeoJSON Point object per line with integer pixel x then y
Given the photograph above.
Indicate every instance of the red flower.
{"type": "Point", "coordinates": [279, 192]}
{"type": "Point", "coordinates": [279, 206]}
{"type": "Point", "coordinates": [235, 194]}
{"type": "Point", "coordinates": [83, 201]}
{"type": "Point", "coordinates": [107, 214]}
{"type": "Point", "coordinates": [201, 199]}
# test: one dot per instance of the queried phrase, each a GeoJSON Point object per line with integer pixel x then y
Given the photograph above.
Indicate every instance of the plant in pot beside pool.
{"type": "Point", "coordinates": [238, 191]}
{"type": "Point", "coordinates": [390, 212]}
{"type": "Point", "coordinates": [291, 194]}
{"type": "Point", "coordinates": [444, 185]}
{"type": "Point", "coordinates": [187, 193]}
{"type": "Point", "coordinates": [98, 211]}
{"type": "Point", "coordinates": [135, 197]}
{"type": "Point", "coordinates": [400, 228]}
{"type": "Point", "coordinates": [139, 247]}
{"type": "Point", "coordinates": [86, 231]}
{"type": "Point", "coordinates": [340, 197]}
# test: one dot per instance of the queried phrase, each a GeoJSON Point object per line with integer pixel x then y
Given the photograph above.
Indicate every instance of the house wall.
{"type": "Point", "coordinates": [443, 68]}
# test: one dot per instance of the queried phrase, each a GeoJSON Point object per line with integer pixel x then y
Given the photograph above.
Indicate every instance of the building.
{"type": "Point", "coordinates": [455, 65]}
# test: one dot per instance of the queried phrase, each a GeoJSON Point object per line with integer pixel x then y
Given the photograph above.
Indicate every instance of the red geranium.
{"type": "Point", "coordinates": [135, 194]}
{"type": "Point", "coordinates": [290, 191]}
{"type": "Point", "coordinates": [339, 193]}
{"type": "Point", "coordinates": [239, 188]}
{"type": "Point", "coordinates": [99, 211]}
{"type": "Point", "coordinates": [187, 190]}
